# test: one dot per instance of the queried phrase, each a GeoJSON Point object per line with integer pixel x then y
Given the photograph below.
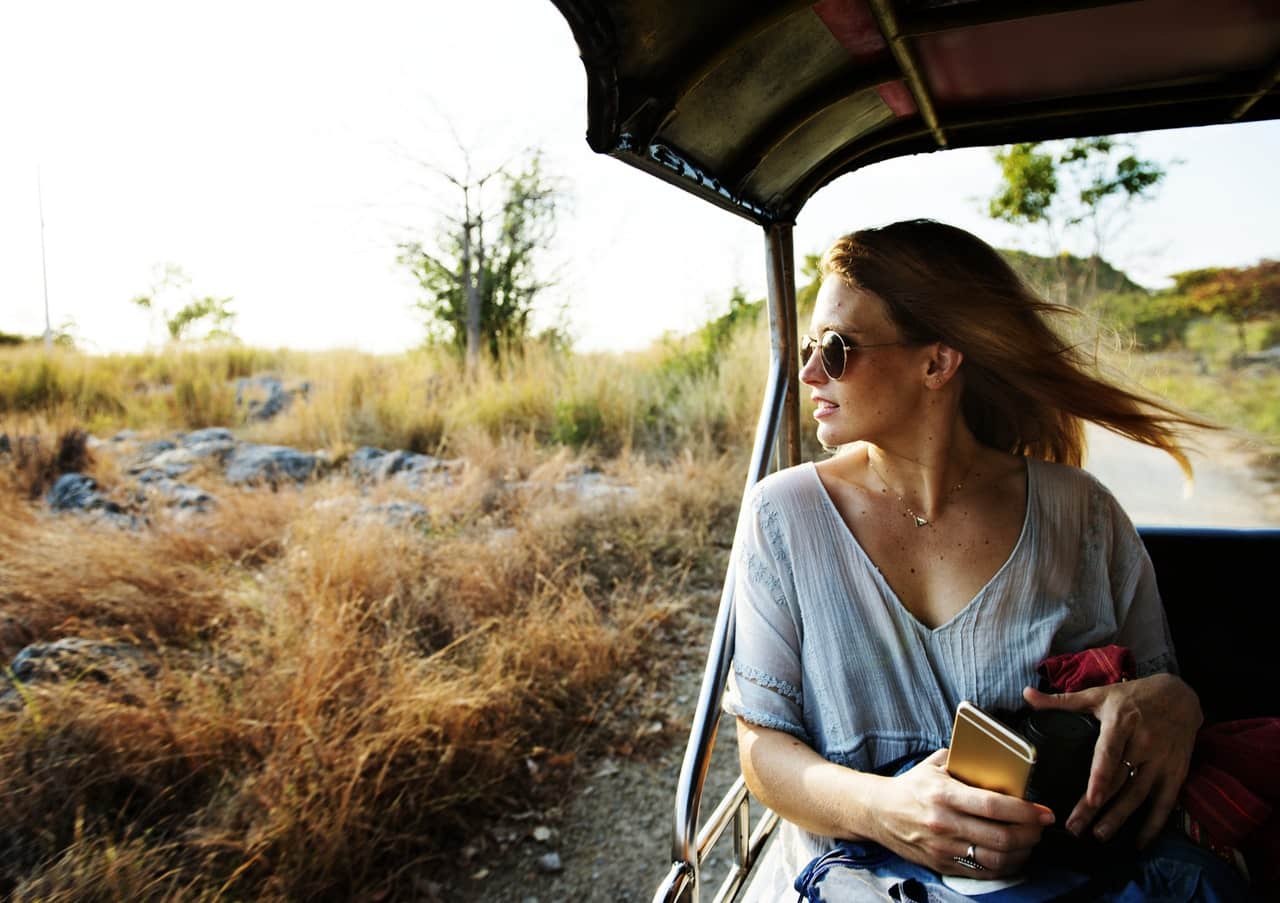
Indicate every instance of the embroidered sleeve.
{"type": "Point", "coordinates": [767, 688]}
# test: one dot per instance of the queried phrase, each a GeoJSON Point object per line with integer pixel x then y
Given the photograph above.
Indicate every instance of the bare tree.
{"type": "Point", "coordinates": [479, 275]}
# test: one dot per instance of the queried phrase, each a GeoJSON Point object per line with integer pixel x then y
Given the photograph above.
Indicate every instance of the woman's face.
{"type": "Point", "coordinates": [880, 386]}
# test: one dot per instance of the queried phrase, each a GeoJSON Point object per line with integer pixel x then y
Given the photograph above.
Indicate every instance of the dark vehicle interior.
{"type": "Point", "coordinates": [756, 107]}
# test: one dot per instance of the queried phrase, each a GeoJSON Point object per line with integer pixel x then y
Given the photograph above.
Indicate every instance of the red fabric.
{"type": "Point", "coordinates": [1233, 789]}
{"type": "Point", "coordinates": [1227, 810]}
{"type": "Point", "coordinates": [1098, 667]}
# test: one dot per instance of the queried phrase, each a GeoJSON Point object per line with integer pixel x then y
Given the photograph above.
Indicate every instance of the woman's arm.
{"type": "Point", "coordinates": [924, 814]}
{"type": "Point", "coordinates": [1148, 730]}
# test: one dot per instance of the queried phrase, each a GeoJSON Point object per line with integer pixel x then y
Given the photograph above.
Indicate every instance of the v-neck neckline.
{"type": "Point", "coordinates": [834, 512]}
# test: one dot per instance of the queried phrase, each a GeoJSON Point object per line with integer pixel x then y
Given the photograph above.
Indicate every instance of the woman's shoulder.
{"type": "Point", "coordinates": [1065, 478]}
{"type": "Point", "coordinates": [787, 488]}
{"type": "Point", "coordinates": [1064, 488]}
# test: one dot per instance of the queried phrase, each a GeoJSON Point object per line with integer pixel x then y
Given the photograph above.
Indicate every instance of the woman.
{"type": "Point", "coordinates": [950, 545]}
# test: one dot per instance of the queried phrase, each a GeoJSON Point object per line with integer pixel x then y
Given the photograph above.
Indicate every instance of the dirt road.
{"type": "Point", "coordinates": [612, 836]}
{"type": "Point", "coordinates": [1229, 490]}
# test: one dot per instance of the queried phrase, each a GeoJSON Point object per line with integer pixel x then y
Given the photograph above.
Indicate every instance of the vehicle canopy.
{"type": "Point", "coordinates": [756, 106]}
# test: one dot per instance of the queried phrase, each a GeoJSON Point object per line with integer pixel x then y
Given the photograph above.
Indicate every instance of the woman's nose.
{"type": "Point", "coordinates": [811, 372]}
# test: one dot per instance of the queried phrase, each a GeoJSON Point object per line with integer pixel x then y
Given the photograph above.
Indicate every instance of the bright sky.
{"type": "Point", "coordinates": [267, 149]}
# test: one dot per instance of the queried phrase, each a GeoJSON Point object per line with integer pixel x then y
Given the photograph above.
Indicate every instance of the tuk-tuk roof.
{"type": "Point", "coordinates": [755, 106]}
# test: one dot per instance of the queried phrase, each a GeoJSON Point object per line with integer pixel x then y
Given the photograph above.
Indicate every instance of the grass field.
{"type": "Point", "coordinates": [319, 704]}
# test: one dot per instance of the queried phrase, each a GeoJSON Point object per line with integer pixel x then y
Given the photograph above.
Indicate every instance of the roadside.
{"type": "Point", "coordinates": [1231, 487]}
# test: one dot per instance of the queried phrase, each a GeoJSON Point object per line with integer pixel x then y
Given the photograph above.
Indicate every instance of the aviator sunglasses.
{"type": "Point", "coordinates": [834, 350]}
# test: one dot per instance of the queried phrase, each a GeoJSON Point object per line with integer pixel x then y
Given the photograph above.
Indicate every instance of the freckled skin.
{"type": "Point", "coordinates": [901, 403]}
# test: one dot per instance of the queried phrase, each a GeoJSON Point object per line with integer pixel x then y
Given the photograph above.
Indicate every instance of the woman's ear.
{"type": "Point", "coordinates": [943, 362]}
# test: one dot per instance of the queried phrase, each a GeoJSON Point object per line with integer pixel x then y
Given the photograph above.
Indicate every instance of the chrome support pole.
{"type": "Point", "coordinates": [683, 882]}
{"type": "Point", "coordinates": [782, 282]}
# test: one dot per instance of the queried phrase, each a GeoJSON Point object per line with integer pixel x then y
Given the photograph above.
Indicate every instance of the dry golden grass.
{"type": "Point", "coordinates": [330, 700]}
{"type": "Point", "coordinates": [334, 699]}
{"type": "Point", "coordinates": [675, 396]}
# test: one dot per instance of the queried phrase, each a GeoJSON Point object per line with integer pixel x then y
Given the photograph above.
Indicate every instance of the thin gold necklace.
{"type": "Point", "coordinates": [920, 521]}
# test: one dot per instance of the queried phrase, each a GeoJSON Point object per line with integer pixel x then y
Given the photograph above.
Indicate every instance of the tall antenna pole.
{"type": "Point", "coordinates": [44, 270]}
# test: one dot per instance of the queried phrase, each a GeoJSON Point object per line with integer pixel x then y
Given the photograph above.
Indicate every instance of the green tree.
{"type": "Point", "coordinates": [185, 315]}
{"type": "Point", "coordinates": [1067, 186]}
{"type": "Point", "coordinates": [1240, 294]}
{"type": "Point", "coordinates": [482, 276]}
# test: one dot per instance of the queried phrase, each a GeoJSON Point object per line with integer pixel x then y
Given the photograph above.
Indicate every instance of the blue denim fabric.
{"type": "Point", "coordinates": [1171, 869]}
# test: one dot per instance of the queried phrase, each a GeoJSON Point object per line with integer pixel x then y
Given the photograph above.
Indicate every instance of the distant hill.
{"type": "Point", "coordinates": [1071, 280]}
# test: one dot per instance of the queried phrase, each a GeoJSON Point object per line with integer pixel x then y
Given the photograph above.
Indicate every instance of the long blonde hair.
{"type": "Point", "coordinates": [1027, 390]}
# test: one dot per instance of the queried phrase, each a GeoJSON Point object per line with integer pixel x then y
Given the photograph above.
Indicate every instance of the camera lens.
{"type": "Point", "coordinates": [1064, 744]}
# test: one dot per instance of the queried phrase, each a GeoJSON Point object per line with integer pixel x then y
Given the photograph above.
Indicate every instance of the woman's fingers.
{"type": "Point", "coordinates": [1166, 797]}
{"type": "Point", "coordinates": [950, 816]}
{"type": "Point", "coordinates": [1080, 701]}
{"type": "Point", "coordinates": [1131, 795]}
{"type": "Point", "coordinates": [994, 863]}
{"type": "Point", "coordinates": [997, 807]}
{"type": "Point", "coordinates": [1110, 768]}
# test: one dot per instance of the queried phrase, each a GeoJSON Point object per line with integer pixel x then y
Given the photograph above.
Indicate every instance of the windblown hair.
{"type": "Point", "coordinates": [1026, 389]}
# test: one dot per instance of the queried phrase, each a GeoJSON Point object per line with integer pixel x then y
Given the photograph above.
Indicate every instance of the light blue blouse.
{"type": "Point", "coordinates": [826, 651]}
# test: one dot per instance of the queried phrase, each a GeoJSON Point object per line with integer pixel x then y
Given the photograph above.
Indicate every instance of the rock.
{"type": "Point", "coordinates": [210, 434]}
{"type": "Point", "coordinates": [181, 495]}
{"type": "Point", "coordinates": [376, 464]}
{"type": "Point", "coordinates": [210, 448]}
{"type": "Point", "coordinates": [75, 492]}
{"type": "Point", "coordinates": [270, 464]}
{"type": "Point", "coordinates": [364, 461]}
{"type": "Point", "coordinates": [125, 436]}
{"type": "Point", "coordinates": [398, 513]}
{"type": "Point", "coordinates": [266, 396]}
{"type": "Point", "coordinates": [593, 486]}
{"type": "Point", "coordinates": [549, 863]}
{"type": "Point", "coordinates": [151, 449]}
{"type": "Point", "coordinates": [175, 461]}
{"type": "Point", "coordinates": [169, 465]}
{"type": "Point", "coordinates": [79, 493]}
{"type": "Point", "coordinates": [73, 658]}
{"type": "Point", "coordinates": [542, 834]}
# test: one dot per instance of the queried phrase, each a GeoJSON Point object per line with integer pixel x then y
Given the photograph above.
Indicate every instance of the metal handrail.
{"type": "Point", "coordinates": [780, 403]}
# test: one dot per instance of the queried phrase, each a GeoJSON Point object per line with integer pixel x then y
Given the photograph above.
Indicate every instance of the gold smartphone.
{"type": "Point", "coordinates": [985, 753]}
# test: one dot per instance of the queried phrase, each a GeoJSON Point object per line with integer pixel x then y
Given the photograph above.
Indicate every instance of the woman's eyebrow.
{"type": "Point", "coordinates": [841, 328]}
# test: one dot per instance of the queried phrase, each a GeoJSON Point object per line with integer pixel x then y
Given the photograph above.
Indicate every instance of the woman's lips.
{"type": "Point", "coordinates": [824, 408]}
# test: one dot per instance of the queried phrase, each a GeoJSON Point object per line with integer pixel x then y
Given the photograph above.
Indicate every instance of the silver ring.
{"type": "Point", "coordinates": [1133, 769]}
{"type": "Point", "coordinates": [969, 861]}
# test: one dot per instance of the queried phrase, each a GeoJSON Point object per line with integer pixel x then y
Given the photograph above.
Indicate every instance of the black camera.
{"type": "Point", "coordinates": [1064, 743]}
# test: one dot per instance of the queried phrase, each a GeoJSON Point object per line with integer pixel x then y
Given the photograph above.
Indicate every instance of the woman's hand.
{"type": "Point", "coordinates": [929, 817]}
{"type": "Point", "coordinates": [1148, 730]}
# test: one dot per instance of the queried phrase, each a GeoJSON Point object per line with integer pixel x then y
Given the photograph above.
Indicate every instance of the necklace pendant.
{"type": "Point", "coordinates": [920, 521]}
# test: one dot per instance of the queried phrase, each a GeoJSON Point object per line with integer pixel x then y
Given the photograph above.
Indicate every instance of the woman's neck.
{"type": "Point", "coordinates": [924, 471]}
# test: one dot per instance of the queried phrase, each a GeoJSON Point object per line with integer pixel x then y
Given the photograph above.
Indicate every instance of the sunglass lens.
{"type": "Point", "coordinates": [833, 355]}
